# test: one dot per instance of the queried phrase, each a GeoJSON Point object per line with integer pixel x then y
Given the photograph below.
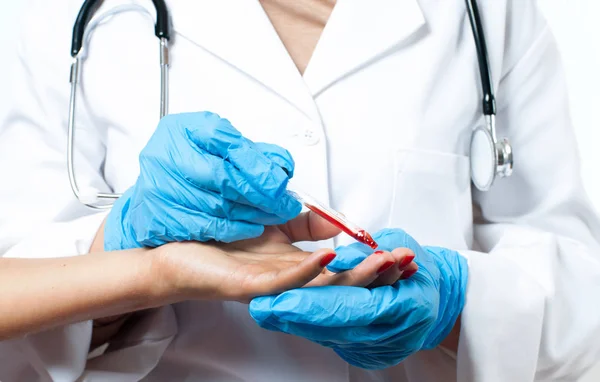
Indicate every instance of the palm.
{"type": "Point", "coordinates": [269, 264]}
{"type": "Point", "coordinates": [259, 262]}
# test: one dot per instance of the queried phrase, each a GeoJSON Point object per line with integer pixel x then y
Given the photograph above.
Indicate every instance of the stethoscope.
{"type": "Point", "coordinates": [489, 158]}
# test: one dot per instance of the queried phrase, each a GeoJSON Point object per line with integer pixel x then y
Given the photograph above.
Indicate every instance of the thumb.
{"type": "Point", "coordinates": [309, 226]}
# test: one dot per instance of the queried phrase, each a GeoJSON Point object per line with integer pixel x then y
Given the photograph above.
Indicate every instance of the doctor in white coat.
{"type": "Point", "coordinates": [378, 122]}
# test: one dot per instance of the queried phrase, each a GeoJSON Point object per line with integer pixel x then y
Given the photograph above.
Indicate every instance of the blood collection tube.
{"type": "Point", "coordinates": [334, 218]}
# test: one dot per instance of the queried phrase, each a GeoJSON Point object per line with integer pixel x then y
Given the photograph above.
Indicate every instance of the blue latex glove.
{"type": "Point", "coordinates": [201, 180]}
{"type": "Point", "coordinates": [374, 328]}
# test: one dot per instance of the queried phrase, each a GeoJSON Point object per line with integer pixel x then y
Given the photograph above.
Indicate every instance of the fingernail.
{"type": "Point", "coordinates": [385, 267]}
{"type": "Point", "coordinates": [327, 259]}
{"type": "Point", "coordinates": [377, 252]}
{"type": "Point", "coordinates": [406, 260]}
{"type": "Point", "coordinates": [408, 273]}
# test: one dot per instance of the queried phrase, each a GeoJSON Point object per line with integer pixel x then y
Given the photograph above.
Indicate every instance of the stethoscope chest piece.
{"type": "Point", "coordinates": [489, 158]}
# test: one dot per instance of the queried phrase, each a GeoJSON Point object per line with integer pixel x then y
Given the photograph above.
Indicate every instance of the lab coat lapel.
{"type": "Point", "coordinates": [240, 33]}
{"type": "Point", "coordinates": [357, 33]}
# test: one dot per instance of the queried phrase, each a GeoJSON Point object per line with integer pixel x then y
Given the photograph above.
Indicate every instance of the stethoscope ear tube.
{"type": "Point", "coordinates": [489, 101]}
{"type": "Point", "coordinates": [161, 29]}
{"type": "Point", "coordinates": [90, 196]}
{"type": "Point", "coordinates": [83, 17]}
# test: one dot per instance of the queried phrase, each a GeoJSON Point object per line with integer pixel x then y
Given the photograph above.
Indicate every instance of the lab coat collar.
{"type": "Point", "coordinates": [241, 34]}
{"type": "Point", "coordinates": [359, 33]}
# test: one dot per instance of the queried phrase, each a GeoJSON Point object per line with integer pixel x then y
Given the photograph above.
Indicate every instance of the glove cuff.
{"type": "Point", "coordinates": [452, 286]}
{"type": "Point", "coordinates": [117, 230]}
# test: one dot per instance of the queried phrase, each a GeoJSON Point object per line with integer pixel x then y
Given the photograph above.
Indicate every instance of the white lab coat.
{"type": "Point", "coordinates": [379, 126]}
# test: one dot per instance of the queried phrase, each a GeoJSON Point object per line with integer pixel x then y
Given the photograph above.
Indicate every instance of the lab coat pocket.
{"type": "Point", "coordinates": [432, 197]}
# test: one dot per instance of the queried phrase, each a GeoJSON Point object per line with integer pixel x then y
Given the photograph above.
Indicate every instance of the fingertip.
{"type": "Point", "coordinates": [386, 259]}
{"type": "Point", "coordinates": [381, 255]}
{"type": "Point", "coordinates": [403, 256]}
{"type": "Point", "coordinates": [381, 258]}
{"type": "Point", "coordinates": [414, 266]}
{"type": "Point", "coordinates": [403, 251]}
{"type": "Point", "coordinates": [408, 273]}
{"type": "Point", "coordinates": [385, 267]}
{"type": "Point", "coordinates": [327, 259]}
{"type": "Point", "coordinates": [367, 271]}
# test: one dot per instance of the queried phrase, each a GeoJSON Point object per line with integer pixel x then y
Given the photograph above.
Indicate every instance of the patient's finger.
{"type": "Point", "coordinates": [294, 276]}
{"type": "Point", "coordinates": [309, 226]}
{"type": "Point", "coordinates": [403, 257]}
{"type": "Point", "coordinates": [362, 275]}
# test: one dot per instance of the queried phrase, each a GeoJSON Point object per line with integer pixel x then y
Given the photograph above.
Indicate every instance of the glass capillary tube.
{"type": "Point", "coordinates": [334, 218]}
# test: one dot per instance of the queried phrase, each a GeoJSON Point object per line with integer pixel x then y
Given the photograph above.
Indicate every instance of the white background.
{"type": "Point", "coordinates": [576, 27]}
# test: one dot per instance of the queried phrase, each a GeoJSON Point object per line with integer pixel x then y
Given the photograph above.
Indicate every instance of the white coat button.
{"type": "Point", "coordinates": [309, 137]}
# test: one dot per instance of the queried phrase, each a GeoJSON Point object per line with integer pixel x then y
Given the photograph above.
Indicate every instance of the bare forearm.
{"type": "Point", "coordinates": [38, 294]}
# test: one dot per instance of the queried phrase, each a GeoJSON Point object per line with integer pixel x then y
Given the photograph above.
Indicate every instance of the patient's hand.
{"type": "Point", "coordinates": [266, 265]}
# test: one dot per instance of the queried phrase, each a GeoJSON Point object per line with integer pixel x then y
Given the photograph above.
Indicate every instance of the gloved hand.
{"type": "Point", "coordinates": [200, 179]}
{"type": "Point", "coordinates": [374, 328]}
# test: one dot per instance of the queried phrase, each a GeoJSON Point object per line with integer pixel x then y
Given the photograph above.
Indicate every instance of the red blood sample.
{"type": "Point", "coordinates": [364, 237]}
{"type": "Point", "coordinates": [359, 235]}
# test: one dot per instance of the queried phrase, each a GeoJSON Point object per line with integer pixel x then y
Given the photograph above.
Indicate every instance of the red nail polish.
{"type": "Point", "coordinates": [408, 273]}
{"type": "Point", "coordinates": [377, 252]}
{"type": "Point", "coordinates": [327, 259]}
{"type": "Point", "coordinates": [385, 267]}
{"type": "Point", "coordinates": [406, 260]}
